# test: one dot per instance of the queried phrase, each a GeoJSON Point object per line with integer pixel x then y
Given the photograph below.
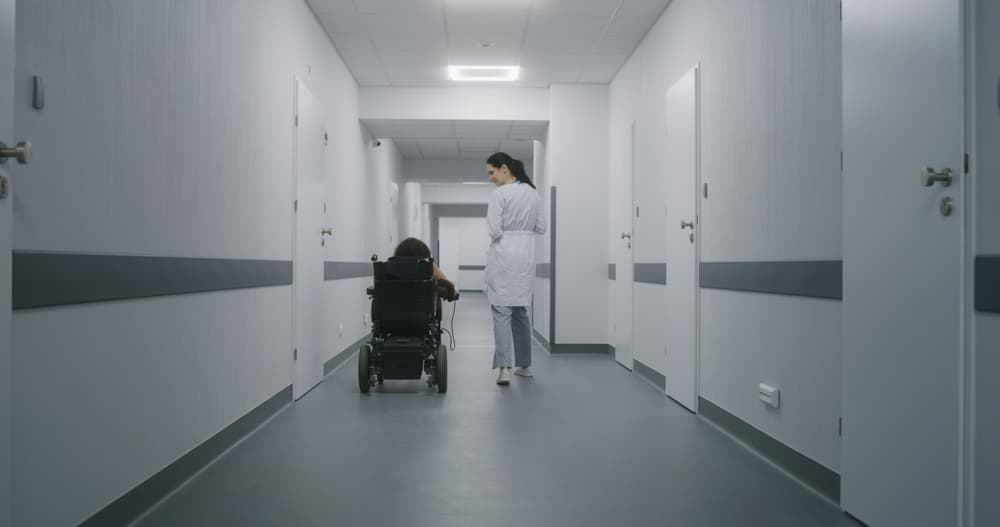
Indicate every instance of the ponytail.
{"type": "Point", "coordinates": [515, 166]}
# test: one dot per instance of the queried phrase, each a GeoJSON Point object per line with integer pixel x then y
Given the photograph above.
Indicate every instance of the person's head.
{"type": "Point", "coordinates": [504, 169]}
{"type": "Point", "coordinates": [412, 247]}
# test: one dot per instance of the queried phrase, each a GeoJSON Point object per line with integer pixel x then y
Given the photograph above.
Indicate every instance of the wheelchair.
{"type": "Point", "coordinates": [406, 325]}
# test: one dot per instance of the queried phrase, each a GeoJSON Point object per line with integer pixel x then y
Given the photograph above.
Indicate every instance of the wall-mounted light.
{"type": "Point", "coordinates": [484, 73]}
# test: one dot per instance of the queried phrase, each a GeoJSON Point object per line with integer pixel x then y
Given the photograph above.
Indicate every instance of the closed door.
{"type": "Point", "coordinates": [309, 241]}
{"type": "Point", "coordinates": [682, 240]}
{"type": "Point", "coordinates": [449, 249]}
{"type": "Point", "coordinates": [903, 261]}
{"type": "Point", "coordinates": [622, 286]}
{"type": "Point", "coordinates": [6, 222]}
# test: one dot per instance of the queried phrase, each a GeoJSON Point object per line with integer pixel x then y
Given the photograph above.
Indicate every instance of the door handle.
{"type": "Point", "coordinates": [687, 225]}
{"type": "Point", "coordinates": [21, 152]}
{"type": "Point", "coordinates": [929, 176]}
{"type": "Point", "coordinates": [326, 232]}
{"type": "Point", "coordinates": [627, 235]}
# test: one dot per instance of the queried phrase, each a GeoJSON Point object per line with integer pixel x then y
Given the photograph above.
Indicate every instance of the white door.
{"type": "Point", "coordinates": [903, 263]}
{"type": "Point", "coordinates": [623, 268]}
{"type": "Point", "coordinates": [682, 257]}
{"type": "Point", "coordinates": [6, 222]}
{"type": "Point", "coordinates": [309, 241]}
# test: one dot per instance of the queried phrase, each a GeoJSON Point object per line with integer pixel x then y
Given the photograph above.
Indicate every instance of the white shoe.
{"type": "Point", "coordinates": [504, 378]}
{"type": "Point", "coordinates": [523, 372]}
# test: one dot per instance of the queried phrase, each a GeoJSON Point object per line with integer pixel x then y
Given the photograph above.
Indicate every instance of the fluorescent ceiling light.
{"type": "Point", "coordinates": [484, 73]}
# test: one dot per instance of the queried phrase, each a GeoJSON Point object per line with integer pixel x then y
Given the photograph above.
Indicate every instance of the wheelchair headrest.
{"type": "Point", "coordinates": [405, 268]}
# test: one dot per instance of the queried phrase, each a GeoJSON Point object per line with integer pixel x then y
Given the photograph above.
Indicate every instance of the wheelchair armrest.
{"type": "Point", "coordinates": [371, 290]}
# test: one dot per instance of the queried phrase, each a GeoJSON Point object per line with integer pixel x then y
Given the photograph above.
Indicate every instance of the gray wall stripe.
{"type": "Point", "coordinates": [650, 273]}
{"type": "Point", "coordinates": [987, 277]}
{"type": "Point", "coordinates": [599, 349]}
{"type": "Point", "coordinates": [346, 270]}
{"type": "Point", "coordinates": [650, 375]}
{"type": "Point", "coordinates": [148, 493]}
{"type": "Point", "coordinates": [612, 272]}
{"type": "Point", "coordinates": [819, 279]}
{"type": "Point", "coordinates": [46, 279]}
{"type": "Point", "coordinates": [824, 480]}
{"type": "Point", "coordinates": [472, 268]}
{"type": "Point", "coordinates": [344, 354]}
{"type": "Point", "coordinates": [543, 270]}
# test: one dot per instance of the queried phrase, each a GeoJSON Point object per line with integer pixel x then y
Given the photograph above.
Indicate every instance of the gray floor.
{"type": "Point", "coordinates": [584, 443]}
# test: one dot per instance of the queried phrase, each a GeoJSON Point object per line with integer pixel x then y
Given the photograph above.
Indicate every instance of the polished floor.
{"type": "Point", "coordinates": [583, 443]}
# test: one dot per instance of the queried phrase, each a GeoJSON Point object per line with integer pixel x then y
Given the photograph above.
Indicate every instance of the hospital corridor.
{"type": "Point", "coordinates": [500, 263]}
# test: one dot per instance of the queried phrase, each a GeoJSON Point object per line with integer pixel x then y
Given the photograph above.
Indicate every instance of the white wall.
{"type": "Point", "coordinates": [458, 194]}
{"type": "Point", "coordinates": [168, 134]}
{"type": "Point", "coordinates": [476, 102]}
{"type": "Point", "coordinates": [470, 237]}
{"type": "Point", "coordinates": [770, 146]}
{"type": "Point", "coordinates": [987, 227]}
{"type": "Point", "coordinates": [578, 166]}
{"type": "Point", "coordinates": [411, 210]}
{"type": "Point", "coordinates": [540, 312]}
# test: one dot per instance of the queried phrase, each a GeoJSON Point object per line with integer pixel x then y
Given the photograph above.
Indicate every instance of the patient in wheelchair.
{"type": "Point", "coordinates": [415, 247]}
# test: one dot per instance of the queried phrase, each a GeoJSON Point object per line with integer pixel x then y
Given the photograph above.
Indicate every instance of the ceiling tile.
{"type": "Point", "coordinates": [342, 22]}
{"type": "Point", "coordinates": [419, 24]}
{"type": "Point", "coordinates": [408, 42]}
{"type": "Point", "coordinates": [566, 25]}
{"type": "Point", "coordinates": [617, 45]}
{"type": "Point", "coordinates": [576, 7]}
{"type": "Point", "coordinates": [398, 6]}
{"type": "Point", "coordinates": [559, 44]}
{"type": "Point", "coordinates": [479, 129]}
{"type": "Point", "coordinates": [642, 7]}
{"type": "Point", "coordinates": [551, 74]}
{"type": "Point", "coordinates": [489, 7]}
{"type": "Point", "coordinates": [486, 25]}
{"type": "Point", "coordinates": [409, 148]}
{"type": "Point", "coordinates": [487, 146]}
{"type": "Point", "coordinates": [370, 75]}
{"type": "Point", "coordinates": [413, 58]}
{"type": "Point", "coordinates": [472, 43]}
{"type": "Point", "coordinates": [333, 6]}
{"type": "Point", "coordinates": [355, 48]}
{"type": "Point", "coordinates": [417, 75]}
{"type": "Point", "coordinates": [610, 60]}
{"type": "Point", "coordinates": [439, 148]}
{"type": "Point", "coordinates": [550, 60]}
{"type": "Point", "coordinates": [597, 75]}
{"type": "Point", "coordinates": [628, 26]}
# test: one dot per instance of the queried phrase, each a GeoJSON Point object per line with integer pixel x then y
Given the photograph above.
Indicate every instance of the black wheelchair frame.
{"type": "Point", "coordinates": [406, 325]}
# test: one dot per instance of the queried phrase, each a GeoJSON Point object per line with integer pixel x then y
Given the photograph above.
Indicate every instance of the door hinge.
{"type": "Point", "coordinates": [636, 211]}
{"type": "Point", "coordinates": [295, 205]}
{"type": "Point", "coordinates": [324, 207]}
{"type": "Point", "coordinates": [841, 10]}
{"type": "Point", "coordinates": [840, 427]}
{"type": "Point", "coordinates": [296, 119]}
{"type": "Point", "coordinates": [966, 163]}
{"type": "Point", "coordinates": [295, 354]}
{"type": "Point", "coordinates": [841, 161]}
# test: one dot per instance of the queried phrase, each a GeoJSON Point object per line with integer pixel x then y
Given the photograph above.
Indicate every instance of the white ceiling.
{"type": "Point", "coordinates": [467, 139]}
{"type": "Point", "coordinates": [412, 42]}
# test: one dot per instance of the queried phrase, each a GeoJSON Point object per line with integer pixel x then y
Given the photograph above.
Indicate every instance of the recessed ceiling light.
{"type": "Point", "coordinates": [484, 73]}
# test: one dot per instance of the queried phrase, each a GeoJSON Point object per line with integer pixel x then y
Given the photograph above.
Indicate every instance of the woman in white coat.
{"type": "Point", "coordinates": [513, 218]}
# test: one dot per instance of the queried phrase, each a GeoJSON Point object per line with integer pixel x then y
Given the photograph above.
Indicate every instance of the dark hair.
{"type": "Point", "coordinates": [412, 247]}
{"type": "Point", "coordinates": [515, 166]}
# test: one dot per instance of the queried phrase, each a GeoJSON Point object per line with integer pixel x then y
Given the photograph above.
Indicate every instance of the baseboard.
{"type": "Point", "coordinates": [148, 493]}
{"type": "Point", "coordinates": [649, 374]}
{"type": "Point", "coordinates": [821, 479]}
{"type": "Point", "coordinates": [567, 349]}
{"type": "Point", "coordinates": [542, 340]}
{"type": "Point", "coordinates": [345, 354]}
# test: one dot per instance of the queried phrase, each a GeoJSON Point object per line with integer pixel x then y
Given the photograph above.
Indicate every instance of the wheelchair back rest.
{"type": "Point", "coordinates": [404, 301]}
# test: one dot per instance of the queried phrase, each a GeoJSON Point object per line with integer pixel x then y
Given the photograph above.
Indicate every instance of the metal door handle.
{"type": "Point", "coordinates": [627, 235]}
{"type": "Point", "coordinates": [21, 152]}
{"type": "Point", "coordinates": [687, 225]}
{"type": "Point", "coordinates": [929, 176]}
{"type": "Point", "coordinates": [327, 231]}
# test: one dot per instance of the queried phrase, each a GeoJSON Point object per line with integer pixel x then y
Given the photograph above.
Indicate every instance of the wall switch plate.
{"type": "Point", "coordinates": [770, 395]}
{"type": "Point", "coordinates": [340, 329]}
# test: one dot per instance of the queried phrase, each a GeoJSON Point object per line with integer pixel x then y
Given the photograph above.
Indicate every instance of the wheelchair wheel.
{"type": "Point", "coordinates": [364, 370]}
{"type": "Point", "coordinates": [441, 369]}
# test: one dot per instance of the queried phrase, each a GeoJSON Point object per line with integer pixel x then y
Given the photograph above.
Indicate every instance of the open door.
{"type": "Point", "coordinates": [6, 245]}
{"type": "Point", "coordinates": [623, 284]}
{"type": "Point", "coordinates": [307, 318]}
{"type": "Point", "coordinates": [681, 372]}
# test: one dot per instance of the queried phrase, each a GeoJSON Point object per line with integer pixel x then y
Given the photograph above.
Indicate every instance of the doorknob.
{"type": "Point", "coordinates": [687, 225]}
{"type": "Point", "coordinates": [326, 232]}
{"type": "Point", "coordinates": [627, 235]}
{"type": "Point", "coordinates": [929, 176]}
{"type": "Point", "coordinates": [21, 152]}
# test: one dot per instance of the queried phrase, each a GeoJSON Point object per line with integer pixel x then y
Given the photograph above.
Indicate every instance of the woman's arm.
{"type": "Point", "coordinates": [445, 288]}
{"type": "Point", "coordinates": [494, 217]}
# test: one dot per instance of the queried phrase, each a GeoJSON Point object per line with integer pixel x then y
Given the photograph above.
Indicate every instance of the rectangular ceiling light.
{"type": "Point", "coordinates": [484, 73]}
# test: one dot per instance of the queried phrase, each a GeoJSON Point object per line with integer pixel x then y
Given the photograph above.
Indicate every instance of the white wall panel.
{"type": "Point", "coordinates": [770, 145]}
{"type": "Point", "coordinates": [790, 342]}
{"type": "Point", "coordinates": [124, 400]}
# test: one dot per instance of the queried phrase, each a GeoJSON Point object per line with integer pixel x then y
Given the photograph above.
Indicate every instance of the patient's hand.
{"type": "Point", "coordinates": [446, 289]}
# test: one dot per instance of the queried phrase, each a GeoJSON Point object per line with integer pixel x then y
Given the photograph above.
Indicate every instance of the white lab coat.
{"type": "Point", "coordinates": [513, 218]}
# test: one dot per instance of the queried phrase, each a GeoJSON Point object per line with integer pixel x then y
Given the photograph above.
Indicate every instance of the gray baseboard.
{"type": "Point", "coordinates": [820, 478]}
{"type": "Point", "coordinates": [144, 496]}
{"type": "Point", "coordinates": [567, 349]}
{"type": "Point", "coordinates": [344, 354]}
{"type": "Point", "coordinates": [654, 377]}
{"type": "Point", "coordinates": [542, 340]}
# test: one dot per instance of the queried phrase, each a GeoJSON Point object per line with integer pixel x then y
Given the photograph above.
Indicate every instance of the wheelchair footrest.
{"type": "Point", "coordinates": [403, 357]}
